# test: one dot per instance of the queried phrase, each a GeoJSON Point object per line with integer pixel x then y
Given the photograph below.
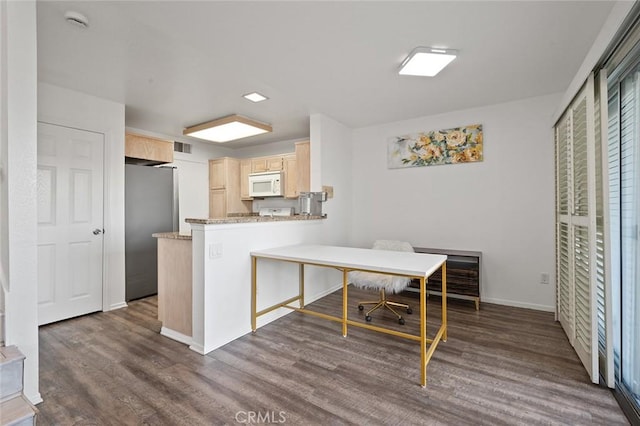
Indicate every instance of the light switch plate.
{"type": "Point", "coordinates": [328, 190]}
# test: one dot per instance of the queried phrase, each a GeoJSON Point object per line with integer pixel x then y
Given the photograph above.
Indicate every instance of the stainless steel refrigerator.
{"type": "Point", "coordinates": [151, 205]}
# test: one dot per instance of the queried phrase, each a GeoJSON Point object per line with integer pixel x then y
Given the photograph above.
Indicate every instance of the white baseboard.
{"type": "Point", "coordinates": [197, 348]}
{"type": "Point", "coordinates": [1, 328]}
{"type": "Point", "coordinates": [119, 305]}
{"type": "Point", "coordinates": [179, 337]}
{"type": "Point", "coordinates": [323, 293]}
{"type": "Point", "coordinates": [35, 398]}
{"type": "Point", "coordinates": [515, 304]}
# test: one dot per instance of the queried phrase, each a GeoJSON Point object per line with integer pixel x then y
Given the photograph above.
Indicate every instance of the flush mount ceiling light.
{"type": "Point", "coordinates": [76, 18]}
{"type": "Point", "coordinates": [427, 61]}
{"type": "Point", "coordinates": [255, 97]}
{"type": "Point", "coordinates": [227, 129]}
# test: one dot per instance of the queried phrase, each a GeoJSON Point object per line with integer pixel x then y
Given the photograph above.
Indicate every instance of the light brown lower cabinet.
{"type": "Point", "coordinates": [175, 285]}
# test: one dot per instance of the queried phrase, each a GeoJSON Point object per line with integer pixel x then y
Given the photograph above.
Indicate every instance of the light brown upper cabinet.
{"type": "Point", "coordinates": [224, 188]}
{"type": "Point", "coordinates": [147, 150]}
{"type": "Point", "coordinates": [218, 173]}
{"type": "Point", "coordinates": [266, 164]}
{"type": "Point", "coordinates": [303, 166]}
{"type": "Point", "coordinates": [274, 163]}
{"type": "Point", "coordinates": [290, 176]}
{"type": "Point", "coordinates": [245, 170]}
{"type": "Point", "coordinates": [217, 203]}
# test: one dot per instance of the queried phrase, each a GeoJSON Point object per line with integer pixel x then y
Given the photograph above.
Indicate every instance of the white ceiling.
{"type": "Point", "coordinates": [175, 63]}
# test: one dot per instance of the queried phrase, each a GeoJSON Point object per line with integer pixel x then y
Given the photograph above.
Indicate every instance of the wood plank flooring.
{"type": "Point", "coordinates": [500, 366]}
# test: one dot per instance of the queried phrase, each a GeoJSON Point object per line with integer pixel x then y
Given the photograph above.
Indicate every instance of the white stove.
{"type": "Point", "coordinates": [279, 211]}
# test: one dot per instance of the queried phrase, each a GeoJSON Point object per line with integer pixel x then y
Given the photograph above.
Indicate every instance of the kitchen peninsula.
{"type": "Point", "coordinates": [220, 275]}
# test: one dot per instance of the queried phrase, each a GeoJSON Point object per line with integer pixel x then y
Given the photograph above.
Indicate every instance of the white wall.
{"type": "Point", "coordinates": [193, 190]}
{"type": "Point", "coordinates": [4, 201]}
{"type": "Point", "coordinates": [331, 165]}
{"type": "Point", "coordinates": [502, 206]}
{"type": "Point", "coordinates": [65, 107]}
{"type": "Point", "coordinates": [19, 183]}
{"type": "Point", "coordinates": [272, 148]}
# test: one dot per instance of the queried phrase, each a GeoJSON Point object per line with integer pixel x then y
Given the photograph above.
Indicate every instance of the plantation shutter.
{"type": "Point", "coordinates": [576, 227]}
{"type": "Point", "coordinates": [602, 113]}
{"type": "Point", "coordinates": [564, 290]}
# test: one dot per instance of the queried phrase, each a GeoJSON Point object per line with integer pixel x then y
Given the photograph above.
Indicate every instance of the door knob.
{"type": "Point", "coordinates": [97, 231]}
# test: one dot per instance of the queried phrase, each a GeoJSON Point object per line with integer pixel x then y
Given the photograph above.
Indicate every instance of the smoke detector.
{"type": "Point", "coordinates": [77, 19]}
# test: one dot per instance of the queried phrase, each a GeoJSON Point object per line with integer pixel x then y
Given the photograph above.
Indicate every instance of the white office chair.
{"type": "Point", "coordinates": [382, 282]}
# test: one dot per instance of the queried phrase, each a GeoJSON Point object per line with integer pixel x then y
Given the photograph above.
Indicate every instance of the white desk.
{"type": "Point", "coordinates": [346, 259]}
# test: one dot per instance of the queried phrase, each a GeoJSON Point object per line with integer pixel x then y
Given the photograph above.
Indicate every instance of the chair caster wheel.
{"type": "Point", "coordinates": [409, 311]}
{"type": "Point", "coordinates": [368, 318]}
{"type": "Point", "coordinates": [360, 308]}
{"type": "Point", "coordinates": [401, 321]}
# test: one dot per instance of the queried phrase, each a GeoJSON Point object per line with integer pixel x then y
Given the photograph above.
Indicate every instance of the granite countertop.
{"type": "Point", "coordinates": [172, 235]}
{"type": "Point", "coordinates": [250, 218]}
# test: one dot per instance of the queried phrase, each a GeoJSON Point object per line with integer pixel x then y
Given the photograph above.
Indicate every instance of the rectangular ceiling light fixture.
{"type": "Point", "coordinates": [227, 129]}
{"type": "Point", "coordinates": [427, 61]}
{"type": "Point", "coordinates": [255, 97]}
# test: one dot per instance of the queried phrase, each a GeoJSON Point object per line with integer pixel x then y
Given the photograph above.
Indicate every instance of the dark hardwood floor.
{"type": "Point", "coordinates": [500, 366]}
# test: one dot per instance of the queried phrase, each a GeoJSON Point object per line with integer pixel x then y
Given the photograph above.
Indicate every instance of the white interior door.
{"type": "Point", "coordinates": [70, 222]}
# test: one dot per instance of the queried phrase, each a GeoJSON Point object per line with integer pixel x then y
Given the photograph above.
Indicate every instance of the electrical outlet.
{"type": "Point", "coordinates": [215, 250]}
{"type": "Point", "coordinates": [544, 278]}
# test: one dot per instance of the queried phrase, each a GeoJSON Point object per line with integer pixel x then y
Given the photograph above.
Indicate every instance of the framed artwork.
{"type": "Point", "coordinates": [448, 146]}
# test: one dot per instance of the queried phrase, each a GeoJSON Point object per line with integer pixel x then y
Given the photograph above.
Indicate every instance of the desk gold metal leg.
{"type": "Point", "coordinates": [423, 333]}
{"type": "Point", "coordinates": [254, 304]}
{"type": "Point", "coordinates": [444, 301]}
{"type": "Point", "coordinates": [301, 284]}
{"type": "Point", "coordinates": [345, 273]}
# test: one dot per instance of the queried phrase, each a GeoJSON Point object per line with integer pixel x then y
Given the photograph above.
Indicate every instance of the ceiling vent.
{"type": "Point", "coordinates": [182, 147]}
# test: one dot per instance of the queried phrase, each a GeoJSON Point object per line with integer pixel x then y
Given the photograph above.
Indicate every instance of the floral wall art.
{"type": "Point", "coordinates": [457, 145]}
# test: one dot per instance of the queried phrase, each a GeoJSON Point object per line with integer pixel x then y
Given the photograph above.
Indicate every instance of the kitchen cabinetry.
{"type": "Point", "coordinates": [146, 150]}
{"type": "Point", "coordinates": [303, 167]}
{"type": "Point", "coordinates": [174, 286]}
{"type": "Point", "coordinates": [266, 164]}
{"type": "Point", "coordinates": [218, 173]}
{"type": "Point", "coordinates": [464, 275]}
{"type": "Point", "coordinates": [245, 170]}
{"type": "Point", "coordinates": [295, 167]}
{"type": "Point", "coordinates": [290, 176]}
{"type": "Point", "coordinates": [217, 203]}
{"type": "Point", "coordinates": [224, 188]}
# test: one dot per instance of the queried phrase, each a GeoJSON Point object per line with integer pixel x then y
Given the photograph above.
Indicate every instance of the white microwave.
{"type": "Point", "coordinates": [267, 184]}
